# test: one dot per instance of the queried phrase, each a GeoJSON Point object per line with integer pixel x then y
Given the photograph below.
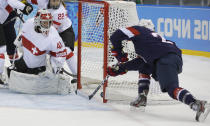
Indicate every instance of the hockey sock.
{"type": "Point", "coordinates": [182, 95]}
{"type": "Point", "coordinates": [143, 84]}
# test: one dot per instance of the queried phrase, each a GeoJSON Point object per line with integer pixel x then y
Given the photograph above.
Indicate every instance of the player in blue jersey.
{"type": "Point", "coordinates": [157, 57]}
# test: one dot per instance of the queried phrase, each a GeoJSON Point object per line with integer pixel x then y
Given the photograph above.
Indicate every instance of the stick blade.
{"type": "Point", "coordinates": [90, 97]}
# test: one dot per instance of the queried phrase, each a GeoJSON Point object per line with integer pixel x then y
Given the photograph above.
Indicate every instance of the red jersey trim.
{"type": "Point", "coordinates": [31, 47]}
{"type": "Point", "coordinates": [133, 30]}
{"type": "Point", "coordinates": [56, 23]}
{"type": "Point", "coordinates": [68, 56]}
{"type": "Point", "coordinates": [2, 56]}
{"type": "Point", "coordinates": [58, 54]}
{"type": "Point", "coordinates": [34, 2]}
{"type": "Point", "coordinates": [9, 8]}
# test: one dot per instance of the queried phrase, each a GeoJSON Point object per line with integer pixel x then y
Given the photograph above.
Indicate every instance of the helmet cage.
{"type": "Point", "coordinates": [43, 20]}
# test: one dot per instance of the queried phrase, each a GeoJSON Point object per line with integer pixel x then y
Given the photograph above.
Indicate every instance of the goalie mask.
{"type": "Point", "coordinates": [43, 21]}
{"type": "Point", "coordinates": [54, 4]}
{"type": "Point", "coordinates": [147, 23]}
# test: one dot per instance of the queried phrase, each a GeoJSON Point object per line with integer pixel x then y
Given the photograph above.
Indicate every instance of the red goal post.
{"type": "Point", "coordinates": [106, 39]}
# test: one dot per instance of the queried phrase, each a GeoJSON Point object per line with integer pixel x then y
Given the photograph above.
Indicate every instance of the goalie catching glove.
{"type": "Point", "coordinates": [116, 70]}
{"type": "Point", "coordinates": [120, 55]}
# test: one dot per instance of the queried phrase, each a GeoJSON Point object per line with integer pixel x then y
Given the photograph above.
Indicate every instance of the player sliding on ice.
{"type": "Point", "coordinates": [158, 57]}
{"type": "Point", "coordinates": [38, 39]}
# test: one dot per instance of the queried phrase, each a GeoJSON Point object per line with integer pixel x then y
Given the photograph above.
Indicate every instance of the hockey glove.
{"type": "Point", "coordinates": [27, 9]}
{"type": "Point", "coordinates": [116, 70]}
{"type": "Point", "coordinates": [121, 56]}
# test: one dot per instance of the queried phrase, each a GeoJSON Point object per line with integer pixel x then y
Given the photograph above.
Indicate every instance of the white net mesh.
{"type": "Point", "coordinates": [121, 14]}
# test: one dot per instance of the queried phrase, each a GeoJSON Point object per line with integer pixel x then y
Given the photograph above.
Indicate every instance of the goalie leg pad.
{"type": "Point", "coordinates": [44, 83]}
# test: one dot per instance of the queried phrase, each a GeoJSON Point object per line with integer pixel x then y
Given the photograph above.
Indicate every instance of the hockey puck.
{"type": "Point", "coordinates": [102, 94]}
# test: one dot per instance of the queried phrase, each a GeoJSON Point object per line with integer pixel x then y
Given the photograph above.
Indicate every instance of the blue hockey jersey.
{"type": "Point", "coordinates": [148, 44]}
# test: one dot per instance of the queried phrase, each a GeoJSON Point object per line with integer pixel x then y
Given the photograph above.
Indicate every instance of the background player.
{"type": "Point", "coordinates": [163, 60]}
{"type": "Point", "coordinates": [8, 16]}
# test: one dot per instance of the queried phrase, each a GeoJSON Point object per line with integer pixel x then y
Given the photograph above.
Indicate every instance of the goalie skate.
{"type": "Point", "coordinates": [202, 110]}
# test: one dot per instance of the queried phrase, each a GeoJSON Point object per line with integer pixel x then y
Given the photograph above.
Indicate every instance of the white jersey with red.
{"type": "Point", "coordinates": [60, 17]}
{"type": "Point", "coordinates": [7, 6]}
{"type": "Point", "coordinates": [36, 46]}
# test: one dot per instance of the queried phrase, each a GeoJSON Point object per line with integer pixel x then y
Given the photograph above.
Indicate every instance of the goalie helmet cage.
{"type": "Point", "coordinates": [97, 20]}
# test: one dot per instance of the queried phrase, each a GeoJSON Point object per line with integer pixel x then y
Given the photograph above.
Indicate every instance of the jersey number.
{"type": "Point", "coordinates": [61, 16]}
{"type": "Point", "coordinates": [154, 34]}
{"type": "Point", "coordinates": [59, 45]}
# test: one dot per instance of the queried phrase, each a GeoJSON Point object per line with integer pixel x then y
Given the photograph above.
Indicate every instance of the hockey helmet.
{"type": "Point", "coordinates": [54, 4]}
{"type": "Point", "coordinates": [147, 23]}
{"type": "Point", "coordinates": [43, 21]}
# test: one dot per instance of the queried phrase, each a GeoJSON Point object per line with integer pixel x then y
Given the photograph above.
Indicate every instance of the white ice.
{"type": "Point", "coordinates": [75, 110]}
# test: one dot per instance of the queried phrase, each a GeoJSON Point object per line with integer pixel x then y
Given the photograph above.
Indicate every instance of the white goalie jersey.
{"type": "Point", "coordinates": [36, 46]}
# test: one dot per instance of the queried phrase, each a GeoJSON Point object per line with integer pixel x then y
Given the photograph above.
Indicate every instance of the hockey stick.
{"type": "Point", "coordinates": [99, 86]}
{"type": "Point", "coordinates": [12, 19]}
{"type": "Point", "coordinates": [21, 20]}
{"type": "Point", "coordinates": [72, 75]}
{"type": "Point", "coordinates": [20, 16]}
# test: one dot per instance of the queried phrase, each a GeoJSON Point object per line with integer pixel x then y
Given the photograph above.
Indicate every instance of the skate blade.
{"type": "Point", "coordinates": [205, 114]}
{"type": "Point", "coordinates": [139, 109]}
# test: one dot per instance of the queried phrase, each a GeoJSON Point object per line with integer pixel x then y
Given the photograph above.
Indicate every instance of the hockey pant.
{"type": "Point", "coordinates": [2, 36]}
{"type": "Point", "coordinates": [21, 66]}
{"type": "Point", "coordinates": [10, 34]}
{"type": "Point", "coordinates": [68, 38]}
{"type": "Point", "coordinates": [167, 69]}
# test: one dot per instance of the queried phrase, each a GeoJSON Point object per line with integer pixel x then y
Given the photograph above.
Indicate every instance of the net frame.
{"type": "Point", "coordinates": [106, 40]}
{"type": "Point", "coordinates": [109, 89]}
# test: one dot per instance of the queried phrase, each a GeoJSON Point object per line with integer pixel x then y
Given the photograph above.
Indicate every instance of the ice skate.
{"type": "Point", "coordinates": [202, 109]}
{"type": "Point", "coordinates": [140, 103]}
{"type": "Point", "coordinates": [141, 100]}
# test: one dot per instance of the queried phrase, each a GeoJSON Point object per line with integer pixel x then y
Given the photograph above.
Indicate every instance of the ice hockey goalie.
{"type": "Point", "coordinates": [37, 40]}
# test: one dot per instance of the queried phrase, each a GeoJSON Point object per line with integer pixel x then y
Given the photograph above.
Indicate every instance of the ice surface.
{"type": "Point", "coordinates": [75, 110]}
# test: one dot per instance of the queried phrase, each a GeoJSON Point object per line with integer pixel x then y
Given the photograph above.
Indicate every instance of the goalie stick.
{"type": "Point", "coordinates": [72, 75]}
{"type": "Point", "coordinates": [20, 16]}
{"type": "Point", "coordinates": [99, 86]}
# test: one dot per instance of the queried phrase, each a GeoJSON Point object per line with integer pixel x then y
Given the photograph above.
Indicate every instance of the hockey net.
{"type": "Point", "coordinates": [97, 21]}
